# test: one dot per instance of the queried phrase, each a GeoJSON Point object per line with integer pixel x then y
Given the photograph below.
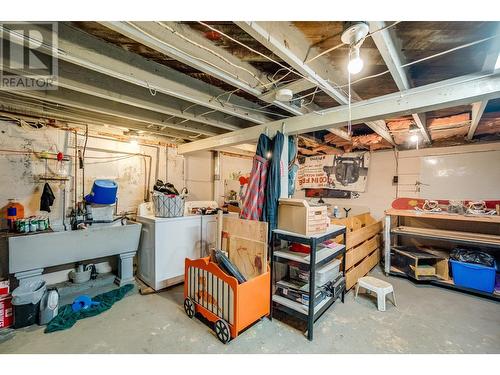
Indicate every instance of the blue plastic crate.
{"type": "Point", "coordinates": [473, 276]}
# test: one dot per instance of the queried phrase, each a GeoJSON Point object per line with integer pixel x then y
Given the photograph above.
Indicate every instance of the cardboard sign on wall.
{"type": "Point", "coordinates": [347, 172]}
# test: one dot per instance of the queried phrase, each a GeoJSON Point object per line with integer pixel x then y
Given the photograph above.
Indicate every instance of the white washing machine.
{"type": "Point", "coordinates": [166, 242]}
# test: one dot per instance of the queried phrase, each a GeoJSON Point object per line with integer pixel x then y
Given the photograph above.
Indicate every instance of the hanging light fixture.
{"type": "Point", "coordinates": [353, 35]}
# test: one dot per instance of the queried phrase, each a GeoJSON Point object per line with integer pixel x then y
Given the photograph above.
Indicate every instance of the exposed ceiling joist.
{"type": "Point", "coordinates": [34, 110]}
{"type": "Point", "coordinates": [91, 103]}
{"type": "Point", "coordinates": [444, 94]}
{"type": "Point", "coordinates": [84, 50]}
{"type": "Point", "coordinates": [477, 112]}
{"type": "Point", "coordinates": [489, 65]}
{"type": "Point", "coordinates": [191, 48]}
{"type": "Point", "coordinates": [287, 42]}
{"type": "Point", "coordinates": [390, 54]}
{"type": "Point", "coordinates": [296, 87]}
{"type": "Point", "coordinates": [92, 83]}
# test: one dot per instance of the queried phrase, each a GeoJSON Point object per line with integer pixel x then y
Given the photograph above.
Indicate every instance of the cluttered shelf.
{"type": "Point", "coordinates": [302, 309]}
{"type": "Point", "coordinates": [449, 235]}
{"type": "Point", "coordinates": [450, 284]}
{"type": "Point", "coordinates": [443, 216]}
{"type": "Point", "coordinates": [331, 232]}
{"type": "Point", "coordinates": [323, 255]}
{"type": "Point", "coordinates": [457, 251]}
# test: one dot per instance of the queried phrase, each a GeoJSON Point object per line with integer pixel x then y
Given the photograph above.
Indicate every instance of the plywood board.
{"type": "Point", "coordinates": [256, 230]}
{"type": "Point", "coordinates": [249, 256]}
{"type": "Point", "coordinates": [361, 269]}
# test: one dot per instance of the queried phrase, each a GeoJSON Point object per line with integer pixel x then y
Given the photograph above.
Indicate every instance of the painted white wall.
{"type": "Point", "coordinates": [380, 191]}
{"type": "Point", "coordinates": [232, 164]}
{"type": "Point", "coordinates": [103, 160]}
{"type": "Point", "coordinates": [199, 176]}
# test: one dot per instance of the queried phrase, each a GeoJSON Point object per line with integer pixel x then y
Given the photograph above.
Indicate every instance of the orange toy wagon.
{"type": "Point", "coordinates": [219, 298]}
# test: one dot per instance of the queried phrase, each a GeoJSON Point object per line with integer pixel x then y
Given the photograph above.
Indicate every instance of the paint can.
{"type": "Point", "coordinates": [33, 225]}
{"type": "Point", "coordinates": [26, 225]}
{"type": "Point", "coordinates": [41, 223]}
{"type": "Point", "coordinates": [20, 225]}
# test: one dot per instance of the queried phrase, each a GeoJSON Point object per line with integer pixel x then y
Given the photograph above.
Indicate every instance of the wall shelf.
{"type": "Point", "coordinates": [480, 224]}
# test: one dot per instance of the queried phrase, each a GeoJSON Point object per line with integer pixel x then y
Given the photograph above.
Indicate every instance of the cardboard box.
{"type": "Point", "coordinates": [6, 312]}
{"type": "Point", "coordinates": [297, 216]}
{"type": "Point", "coordinates": [419, 264]}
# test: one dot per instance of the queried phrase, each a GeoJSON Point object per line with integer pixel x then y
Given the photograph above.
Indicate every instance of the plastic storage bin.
{"type": "Point", "coordinates": [473, 276]}
{"type": "Point", "coordinates": [324, 274]}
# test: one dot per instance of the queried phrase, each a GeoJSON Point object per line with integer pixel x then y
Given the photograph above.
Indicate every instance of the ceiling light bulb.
{"type": "Point", "coordinates": [414, 138]}
{"type": "Point", "coordinates": [355, 63]}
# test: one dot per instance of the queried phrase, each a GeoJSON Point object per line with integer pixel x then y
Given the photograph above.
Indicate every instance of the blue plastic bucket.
{"type": "Point", "coordinates": [473, 276]}
{"type": "Point", "coordinates": [103, 192]}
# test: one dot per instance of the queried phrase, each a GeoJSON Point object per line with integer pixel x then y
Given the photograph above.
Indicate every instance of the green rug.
{"type": "Point", "coordinates": [66, 318]}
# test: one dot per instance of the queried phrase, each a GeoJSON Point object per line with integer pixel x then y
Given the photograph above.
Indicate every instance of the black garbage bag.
{"type": "Point", "coordinates": [472, 256]}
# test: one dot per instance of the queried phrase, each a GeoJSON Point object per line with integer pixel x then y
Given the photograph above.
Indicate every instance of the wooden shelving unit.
{"type": "Point", "coordinates": [475, 231]}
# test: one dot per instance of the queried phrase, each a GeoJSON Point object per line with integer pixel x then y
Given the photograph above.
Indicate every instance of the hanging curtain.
{"type": "Point", "coordinates": [273, 188]}
{"type": "Point", "coordinates": [253, 203]}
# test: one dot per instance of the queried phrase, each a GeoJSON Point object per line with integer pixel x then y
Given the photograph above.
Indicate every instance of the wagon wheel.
{"type": "Point", "coordinates": [189, 307]}
{"type": "Point", "coordinates": [222, 331]}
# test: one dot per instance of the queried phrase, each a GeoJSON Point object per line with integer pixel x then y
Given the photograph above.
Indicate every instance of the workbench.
{"type": "Point", "coordinates": [440, 229]}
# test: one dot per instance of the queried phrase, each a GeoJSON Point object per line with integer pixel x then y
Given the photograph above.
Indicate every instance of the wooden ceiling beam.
{"type": "Point", "coordinates": [291, 45]}
{"type": "Point", "coordinates": [488, 66]}
{"type": "Point", "coordinates": [445, 94]}
{"type": "Point", "coordinates": [190, 47]}
{"type": "Point", "coordinates": [391, 55]}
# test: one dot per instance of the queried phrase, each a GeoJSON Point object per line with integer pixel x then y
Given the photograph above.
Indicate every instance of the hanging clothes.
{"type": "Point", "coordinates": [292, 167]}
{"type": "Point", "coordinates": [47, 198]}
{"type": "Point", "coordinates": [273, 187]}
{"type": "Point", "coordinates": [252, 208]}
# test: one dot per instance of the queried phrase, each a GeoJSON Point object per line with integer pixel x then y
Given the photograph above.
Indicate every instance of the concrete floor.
{"type": "Point", "coordinates": [427, 320]}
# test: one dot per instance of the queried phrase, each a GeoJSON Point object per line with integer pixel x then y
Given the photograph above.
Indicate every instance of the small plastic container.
{"type": "Point", "coordinates": [473, 276]}
{"type": "Point", "coordinates": [324, 274]}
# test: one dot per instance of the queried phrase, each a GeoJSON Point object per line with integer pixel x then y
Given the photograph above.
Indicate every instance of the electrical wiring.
{"type": "Point", "coordinates": [255, 51]}
{"type": "Point", "coordinates": [194, 57]}
{"type": "Point", "coordinates": [429, 57]}
{"type": "Point", "coordinates": [342, 44]}
{"type": "Point", "coordinates": [210, 51]}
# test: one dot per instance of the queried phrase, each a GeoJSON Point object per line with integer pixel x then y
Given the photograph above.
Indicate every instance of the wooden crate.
{"type": "Point", "coordinates": [361, 269]}
{"type": "Point", "coordinates": [296, 215]}
{"type": "Point", "coordinates": [363, 245]}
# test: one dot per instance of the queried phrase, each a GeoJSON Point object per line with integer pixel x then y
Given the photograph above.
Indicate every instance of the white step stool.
{"type": "Point", "coordinates": [380, 287]}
